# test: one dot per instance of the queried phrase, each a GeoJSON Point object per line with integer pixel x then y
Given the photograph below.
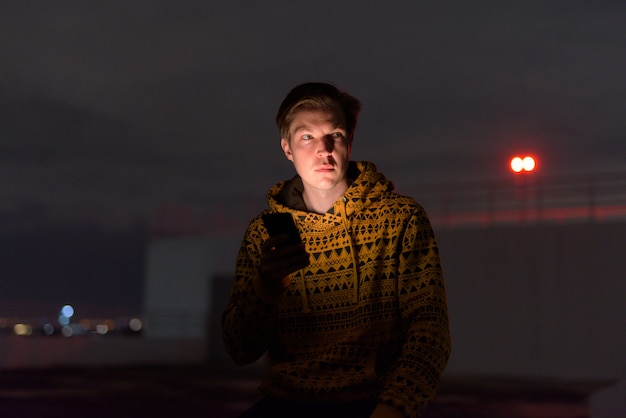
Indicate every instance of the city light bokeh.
{"type": "Point", "coordinates": [67, 325]}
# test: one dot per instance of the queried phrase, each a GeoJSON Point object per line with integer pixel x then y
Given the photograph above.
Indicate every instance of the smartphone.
{"type": "Point", "coordinates": [280, 223]}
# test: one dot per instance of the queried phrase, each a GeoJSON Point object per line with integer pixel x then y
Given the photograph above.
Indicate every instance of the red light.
{"type": "Point", "coordinates": [519, 164]}
{"type": "Point", "coordinates": [528, 163]}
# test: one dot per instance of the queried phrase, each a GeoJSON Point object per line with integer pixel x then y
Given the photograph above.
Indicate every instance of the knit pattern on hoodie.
{"type": "Point", "coordinates": [366, 319]}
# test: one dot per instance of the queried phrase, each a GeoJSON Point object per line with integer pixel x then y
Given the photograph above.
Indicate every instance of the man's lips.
{"type": "Point", "coordinates": [325, 168]}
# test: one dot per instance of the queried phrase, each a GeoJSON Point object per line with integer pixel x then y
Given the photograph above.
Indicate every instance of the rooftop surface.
{"type": "Point", "coordinates": [213, 391]}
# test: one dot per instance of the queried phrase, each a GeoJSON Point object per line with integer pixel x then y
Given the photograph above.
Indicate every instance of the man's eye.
{"type": "Point", "coordinates": [307, 137]}
{"type": "Point", "coordinates": [337, 135]}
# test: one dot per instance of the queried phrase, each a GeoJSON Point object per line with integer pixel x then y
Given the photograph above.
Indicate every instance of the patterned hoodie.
{"type": "Point", "coordinates": [366, 319]}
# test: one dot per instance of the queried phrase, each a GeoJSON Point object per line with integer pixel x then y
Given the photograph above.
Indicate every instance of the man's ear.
{"type": "Point", "coordinates": [286, 148]}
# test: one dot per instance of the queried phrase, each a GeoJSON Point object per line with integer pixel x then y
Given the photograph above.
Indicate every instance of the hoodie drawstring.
{"type": "Point", "coordinates": [305, 300]}
{"type": "Point", "coordinates": [355, 278]}
{"type": "Point", "coordinates": [301, 285]}
{"type": "Point", "coordinates": [346, 226]}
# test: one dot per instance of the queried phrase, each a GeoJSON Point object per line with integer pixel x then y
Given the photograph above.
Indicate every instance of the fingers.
{"type": "Point", "coordinates": [279, 260]}
{"type": "Point", "coordinates": [282, 261]}
{"type": "Point", "coordinates": [274, 242]}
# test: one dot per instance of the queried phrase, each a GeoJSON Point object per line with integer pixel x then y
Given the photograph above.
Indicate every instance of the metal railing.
{"type": "Point", "coordinates": [522, 198]}
{"type": "Point", "coordinates": [525, 198]}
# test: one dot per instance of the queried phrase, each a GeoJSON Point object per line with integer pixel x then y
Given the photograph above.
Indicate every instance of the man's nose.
{"type": "Point", "coordinates": [327, 144]}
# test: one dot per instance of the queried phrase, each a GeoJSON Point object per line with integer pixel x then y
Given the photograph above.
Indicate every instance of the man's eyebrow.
{"type": "Point", "coordinates": [306, 127]}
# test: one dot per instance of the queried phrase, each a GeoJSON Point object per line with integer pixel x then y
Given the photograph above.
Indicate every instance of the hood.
{"type": "Point", "coordinates": [367, 185]}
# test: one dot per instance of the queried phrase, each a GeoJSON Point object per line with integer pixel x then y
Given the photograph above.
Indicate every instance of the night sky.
{"type": "Point", "coordinates": [112, 110]}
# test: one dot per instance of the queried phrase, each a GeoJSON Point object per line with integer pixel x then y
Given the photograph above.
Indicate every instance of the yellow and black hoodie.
{"type": "Point", "coordinates": [366, 319]}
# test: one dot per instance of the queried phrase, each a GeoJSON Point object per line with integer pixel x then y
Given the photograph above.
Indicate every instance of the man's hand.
{"type": "Point", "coordinates": [279, 259]}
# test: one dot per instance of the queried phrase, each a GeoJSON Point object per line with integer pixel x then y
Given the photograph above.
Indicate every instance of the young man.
{"type": "Point", "coordinates": [353, 318]}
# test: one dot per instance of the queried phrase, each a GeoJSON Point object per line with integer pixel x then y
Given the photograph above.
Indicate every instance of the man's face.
{"type": "Point", "coordinates": [319, 149]}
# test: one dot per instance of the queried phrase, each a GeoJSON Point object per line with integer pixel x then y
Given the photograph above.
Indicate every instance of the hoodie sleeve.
{"type": "Point", "coordinates": [246, 320]}
{"type": "Point", "coordinates": [414, 378]}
